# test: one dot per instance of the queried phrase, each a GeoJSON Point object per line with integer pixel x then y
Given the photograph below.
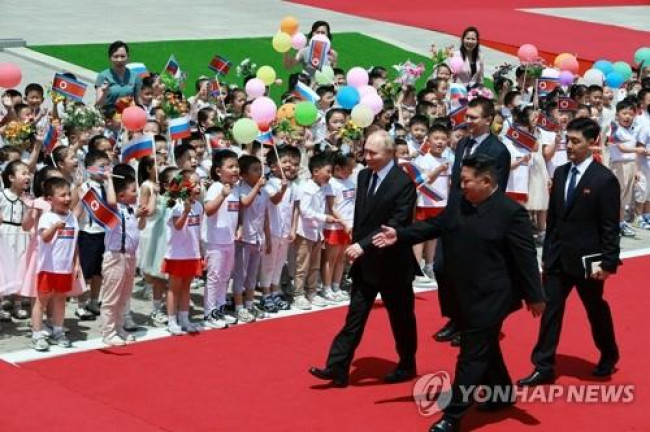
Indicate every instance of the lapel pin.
{"type": "Point", "coordinates": [586, 191]}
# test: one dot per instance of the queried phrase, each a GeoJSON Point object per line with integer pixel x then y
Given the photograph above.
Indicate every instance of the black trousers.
{"type": "Point", "coordinates": [400, 304]}
{"type": "Point", "coordinates": [558, 287]}
{"type": "Point", "coordinates": [446, 290]}
{"type": "Point", "coordinates": [480, 363]}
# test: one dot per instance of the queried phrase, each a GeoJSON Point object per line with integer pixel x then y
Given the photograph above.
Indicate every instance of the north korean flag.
{"type": "Point", "coordinates": [546, 85]}
{"type": "Point", "coordinates": [220, 65]}
{"type": "Point", "coordinates": [567, 104]}
{"type": "Point", "coordinates": [546, 123]}
{"type": "Point", "coordinates": [457, 117]}
{"type": "Point", "coordinates": [99, 210]}
{"type": "Point", "coordinates": [521, 138]}
{"type": "Point", "coordinates": [69, 87]}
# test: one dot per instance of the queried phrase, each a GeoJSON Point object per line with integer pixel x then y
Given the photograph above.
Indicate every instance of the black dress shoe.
{"type": "Point", "coordinates": [445, 425]}
{"type": "Point", "coordinates": [605, 367]}
{"type": "Point", "coordinates": [446, 333]}
{"type": "Point", "coordinates": [400, 375]}
{"type": "Point", "coordinates": [328, 374]}
{"type": "Point", "coordinates": [536, 378]}
{"type": "Point", "coordinates": [455, 342]}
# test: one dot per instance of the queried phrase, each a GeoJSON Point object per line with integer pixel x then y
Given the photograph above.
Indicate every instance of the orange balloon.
{"type": "Point", "coordinates": [287, 110]}
{"type": "Point", "coordinates": [558, 60]}
{"type": "Point", "coordinates": [289, 25]}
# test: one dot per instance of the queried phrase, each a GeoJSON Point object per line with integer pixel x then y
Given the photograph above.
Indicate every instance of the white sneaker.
{"type": "Point", "coordinates": [129, 324]}
{"type": "Point", "coordinates": [319, 301]}
{"type": "Point", "coordinates": [158, 317]}
{"type": "Point", "coordinates": [126, 337]}
{"type": "Point", "coordinates": [429, 273]}
{"type": "Point", "coordinates": [215, 323]}
{"type": "Point", "coordinates": [174, 328]}
{"type": "Point", "coordinates": [229, 319]}
{"type": "Point", "coordinates": [245, 316]}
{"type": "Point", "coordinates": [114, 341]}
{"type": "Point", "coordinates": [302, 303]}
{"type": "Point", "coordinates": [190, 327]}
{"type": "Point", "coordinates": [61, 340]}
{"type": "Point", "coordinates": [40, 344]}
{"type": "Point", "coordinates": [329, 296]}
{"type": "Point", "coordinates": [424, 282]}
{"type": "Point", "coordinates": [339, 296]}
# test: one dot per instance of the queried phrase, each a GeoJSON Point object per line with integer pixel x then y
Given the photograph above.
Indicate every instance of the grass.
{"type": "Point", "coordinates": [354, 49]}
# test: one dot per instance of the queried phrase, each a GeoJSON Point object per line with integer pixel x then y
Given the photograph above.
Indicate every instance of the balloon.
{"type": "Point", "coordinates": [362, 115]}
{"type": "Point", "coordinates": [266, 74]}
{"type": "Point", "coordinates": [347, 97]}
{"type": "Point", "coordinates": [623, 69]}
{"type": "Point", "coordinates": [323, 79]}
{"type": "Point", "coordinates": [255, 88]}
{"type": "Point", "coordinates": [614, 79]}
{"type": "Point", "coordinates": [527, 53]}
{"type": "Point", "coordinates": [134, 118]}
{"type": "Point", "coordinates": [306, 113]}
{"type": "Point", "coordinates": [289, 25]}
{"type": "Point", "coordinates": [286, 111]}
{"type": "Point", "coordinates": [298, 41]}
{"type": "Point", "coordinates": [642, 55]}
{"type": "Point", "coordinates": [245, 130]}
{"type": "Point", "coordinates": [373, 101]}
{"type": "Point", "coordinates": [281, 42]}
{"type": "Point", "coordinates": [263, 110]}
{"type": "Point", "coordinates": [10, 75]}
{"type": "Point", "coordinates": [569, 63]}
{"type": "Point", "coordinates": [550, 73]}
{"type": "Point", "coordinates": [328, 71]}
{"type": "Point", "coordinates": [604, 66]}
{"type": "Point", "coordinates": [357, 77]}
{"type": "Point", "coordinates": [566, 78]}
{"type": "Point", "coordinates": [320, 37]}
{"type": "Point", "coordinates": [594, 77]}
{"type": "Point", "coordinates": [559, 58]}
{"type": "Point", "coordinates": [456, 64]}
{"type": "Point", "coordinates": [366, 90]}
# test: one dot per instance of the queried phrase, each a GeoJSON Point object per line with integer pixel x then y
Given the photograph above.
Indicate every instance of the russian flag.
{"type": "Point", "coordinates": [99, 210]}
{"type": "Point", "coordinates": [567, 104]}
{"type": "Point", "coordinates": [521, 138]}
{"type": "Point", "coordinates": [307, 93]}
{"type": "Point", "coordinates": [179, 128]}
{"type": "Point", "coordinates": [220, 65]}
{"type": "Point", "coordinates": [266, 137]}
{"type": "Point", "coordinates": [138, 148]}
{"type": "Point", "coordinates": [457, 117]}
{"type": "Point", "coordinates": [613, 137]}
{"type": "Point", "coordinates": [547, 85]}
{"type": "Point", "coordinates": [215, 88]}
{"type": "Point", "coordinates": [546, 123]}
{"type": "Point", "coordinates": [172, 67]}
{"type": "Point", "coordinates": [69, 87]}
{"type": "Point", "coordinates": [457, 92]}
{"type": "Point", "coordinates": [51, 138]}
{"type": "Point", "coordinates": [318, 50]}
{"type": "Point", "coordinates": [139, 69]}
{"type": "Point", "coordinates": [414, 173]}
{"type": "Point", "coordinates": [431, 193]}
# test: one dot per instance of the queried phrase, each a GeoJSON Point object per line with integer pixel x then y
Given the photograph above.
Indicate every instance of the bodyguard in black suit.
{"type": "Point", "coordinates": [479, 141]}
{"type": "Point", "coordinates": [385, 196]}
{"type": "Point", "coordinates": [583, 219]}
{"type": "Point", "coordinates": [494, 234]}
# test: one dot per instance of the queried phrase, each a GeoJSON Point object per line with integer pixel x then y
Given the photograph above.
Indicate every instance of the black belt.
{"type": "Point", "coordinates": [12, 223]}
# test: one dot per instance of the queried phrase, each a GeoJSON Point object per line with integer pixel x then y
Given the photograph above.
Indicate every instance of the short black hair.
{"type": "Point", "coordinates": [483, 165]}
{"type": "Point", "coordinates": [95, 155]}
{"type": "Point", "coordinates": [340, 160]}
{"type": "Point", "coordinates": [194, 136]}
{"type": "Point", "coordinates": [94, 142]}
{"type": "Point", "coordinates": [112, 48]}
{"type": "Point", "coordinates": [319, 161]}
{"type": "Point", "coordinates": [181, 150]}
{"type": "Point", "coordinates": [121, 184]}
{"type": "Point", "coordinates": [439, 126]}
{"type": "Point", "coordinates": [510, 97]}
{"type": "Point", "coordinates": [218, 159]}
{"type": "Point", "coordinates": [625, 104]}
{"type": "Point", "coordinates": [246, 162]}
{"type": "Point", "coordinates": [333, 111]}
{"type": "Point", "coordinates": [286, 150]}
{"type": "Point", "coordinates": [419, 119]}
{"type": "Point", "coordinates": [123, 169]}
{"type": "Point", "coordinates": [52, 184]}
{"type": "Point", "coordinates": [34, 87]}
{"type": "Point", "coordinates": [594, 88]}
{"type": "Point", "coordinates": [585, 125]}
{"type": "Point", "coordinates": [10, 170]}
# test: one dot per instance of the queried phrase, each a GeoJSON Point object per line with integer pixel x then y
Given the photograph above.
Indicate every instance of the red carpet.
{"type": "Point", "coordinates": [503, 26]}
{"type": "Point", "coordinates": [254, 377]}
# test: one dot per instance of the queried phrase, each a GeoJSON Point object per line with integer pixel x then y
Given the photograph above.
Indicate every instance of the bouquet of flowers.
{"type": "Point", "coordinates": [82, 117]}
{"type": "Point", "coordinates": [246, 68]}
{"type": "Point", "coordinates": [179, 189]}
{"type": "Point", "coordinates": [351, 131]}
{"type": "Point", "coordinates": [408, 72]}
{"type": "Point", "coordinates": [172, 83]}
{"type": "Point", "coordinates": [173, 104]}
{"type": "Point", "coordinates": [18, 133]}
{"type": "Point", "coordinates": [390, 90]}
{"type": "Point", "coordinates": [56, 97]}
{"type": "Point", "coordinates": [502, 70]}
{"type": "Point", "coordinates": [439, 56]}
{"type": "Point", "coordinates": [480, 91]}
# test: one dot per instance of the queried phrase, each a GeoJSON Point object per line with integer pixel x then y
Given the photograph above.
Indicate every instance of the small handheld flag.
{"type": "Point", "coordinates": [521, 138]}
{"type": "Point", "coordinates": [546, 123]}
{"type": "Point", "coordinates": [99, 211]}
{"type": "Point", "coordinates": [138, 148]}
{"type": "Point", "coordinates": [139, 69]}
{"type": "Point", "coordinates": [425, 147]}
{"type": "Point", "coordinates": [317, 55]}
{"type": "Point", "coordinates": [266, 137]}
{"type": "Point", "coordinates": [179, 128]}
{"type": "Point", "coordinates": [613, 137]}
{"type": "Point", "coordinates": [567, 104]}
{"type": "Point", "coordinates": [546, 85]}
{"type": "Point", "coordinates": [414, 173]}
{"type": "Point", "coordinates": [457, 117]}
{"type": "Point", "coordinates": [220, 65]}
{"type": "Point", "coordinates": [69, 87]}
{"type": "Point", "coordinates": [172, 67]}
{"type": "Point", "coordinates": [307, 93]}
{"type": "Point", "coordinates": [51, 138]}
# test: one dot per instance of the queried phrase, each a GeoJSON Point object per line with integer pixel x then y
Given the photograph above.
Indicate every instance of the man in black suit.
{"type": "Point", "coordinates": [479, 116]}
{"type": "Point", "coordinates": [582, 220]}
{"type": "Point", "coordinates": [493, 233]}
{"type": "Point", "coordinates": [385, 196]}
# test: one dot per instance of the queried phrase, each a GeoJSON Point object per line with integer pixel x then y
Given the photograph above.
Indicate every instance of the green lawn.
{"type": "Point", "coordinates": [194, 55]}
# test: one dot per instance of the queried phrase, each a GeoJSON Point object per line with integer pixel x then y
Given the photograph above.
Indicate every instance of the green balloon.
{"type": "Point", "coordinates": [306, 113]}
{"type": "Point", "coordinates": [624, 69]}
{"type": "Point", "coordinates": [642, 55]}
{"type": "Point", "coordinates": [245, 131]}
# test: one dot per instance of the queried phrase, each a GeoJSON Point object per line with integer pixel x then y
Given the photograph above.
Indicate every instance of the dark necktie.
{"type": "Point", "coordinates": [572, 185]}
{"type": "Point", "coordinates": [373, 184]}
{"type": "Point", "coordinates": [468, 147]}
{"type": "Point", "coordinates": [123, 248]}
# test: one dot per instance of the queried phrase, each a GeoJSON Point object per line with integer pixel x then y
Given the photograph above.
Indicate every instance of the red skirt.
{"type": "Point", "coordinates": [54, 282]}
{"type": "Point", "coordinates": [182, 268]}
{"type": "Point", "coordinates": [423, 213]}
{"type": "Point", "coordinates": [336, 237]}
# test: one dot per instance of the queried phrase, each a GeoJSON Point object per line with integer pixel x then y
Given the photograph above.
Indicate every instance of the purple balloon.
{"type": "Point", "coordinates": [263, 110]}
{"type": "Point", "coordinates": [373, 101]}
{"type": "Point", "coordinates": [566, 78]}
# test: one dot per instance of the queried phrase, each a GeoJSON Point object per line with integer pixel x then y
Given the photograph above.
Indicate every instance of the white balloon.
{"type": "Point", "coordinates": [593, 77]}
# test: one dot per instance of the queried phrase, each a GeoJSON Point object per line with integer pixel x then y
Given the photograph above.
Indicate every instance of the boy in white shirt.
{"type": "Point", "coordinates": [642, 197]}
{"type": "Point", "coordinates": [309, 240]}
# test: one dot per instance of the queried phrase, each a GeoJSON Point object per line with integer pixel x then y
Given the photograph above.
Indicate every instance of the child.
{"type": "Point", "coordinates": [312, 217]}
{"type": "Point", "coordinates": [254, 238]}
{"type": "Point", "coordinates": [183, 257]}
{"type": "Point", "coordinates": [34, 97]}
{"type": "Point", "coordinates": [418, 130]}
{"type": "Point", "coordinates": [197, 142]}
{"type": "Point", "coordinates": [118, 267]}
{"type": "Point", "coordinates": [282, 198]}
{"type": "Point", "coordinates": [57, 256]}
{"type": "Point", "coordinates": [222, 215]}
{"type": "Point", "coordinates": [642, 198]}
{"type": "Point", "coordinates": [185, 157]}
{"type": "Point", "coordinates": [338, 235]}
{"type": "Point", "coordinates": [328, 139]}
{"type": "Point", "coordinates": [402, 150]}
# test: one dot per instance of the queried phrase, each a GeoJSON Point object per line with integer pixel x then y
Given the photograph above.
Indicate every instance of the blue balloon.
{"type": "Point", "coordinates": [614, 80]}
{"type": "Point", "coordinates": [604, 66]}
{"type": "Point", "coordinates": [348, 97]}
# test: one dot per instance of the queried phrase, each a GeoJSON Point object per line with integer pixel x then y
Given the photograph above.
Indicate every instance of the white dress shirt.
{"type": "Point", "coordinates": [381, 175]}
{"type": "Point", "coordinates": [582, 167]}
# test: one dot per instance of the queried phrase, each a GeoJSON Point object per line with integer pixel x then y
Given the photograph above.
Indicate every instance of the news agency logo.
{"type": "Point", "coordinates": [432, 393]}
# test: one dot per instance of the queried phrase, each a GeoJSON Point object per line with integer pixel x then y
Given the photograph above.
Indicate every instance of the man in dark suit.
{"type": "Point", "coordinates": [493, 233]}
{"type": "Point", "coordinates": [385, 196]}
{"type": "Point", "coordinates": [583, 220]}
{"type": "Point", "coordinates": [479, 116]}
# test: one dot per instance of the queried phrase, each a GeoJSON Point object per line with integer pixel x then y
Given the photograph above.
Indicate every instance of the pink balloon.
{"type": "Point", "coordinates": [134, 118]}
{"type": "Point", "coordinates": [10, 75]}
{"type": "Point", "coordinates": [569, 63]}
{"type": "Point", "coordinates": [456, 64]}
{"type": "Point", "coordinates": [357, 77]}
{"type": "Point", "coordinates": [298, 41]}
{"type": "Point", "coordinates": [527, 53]}
{"type": "Point", "coordinates": [263, 110]}
{"type": "Point", "coordinates": [374, 102]}
{"type": "Point", "coordinates": [566, 78]}
{"type": "Point", "coordinates": [321, 37]}
{"type": "Point", "coordinates": [255, 88]}
{"type": "Point", "coordinates": [366, 90]}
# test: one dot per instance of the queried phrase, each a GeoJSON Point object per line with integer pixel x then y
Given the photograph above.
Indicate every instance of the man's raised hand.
{"type": "Point", "coordinates": [387, 237]}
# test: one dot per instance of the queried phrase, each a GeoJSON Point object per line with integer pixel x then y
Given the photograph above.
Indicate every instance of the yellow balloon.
{"type": "Point", "coordinates": [282, 42]}
{"type": "Point", "coordinates": [362, 115]}
{"type": "Point", "coordinates": [266, 74]}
